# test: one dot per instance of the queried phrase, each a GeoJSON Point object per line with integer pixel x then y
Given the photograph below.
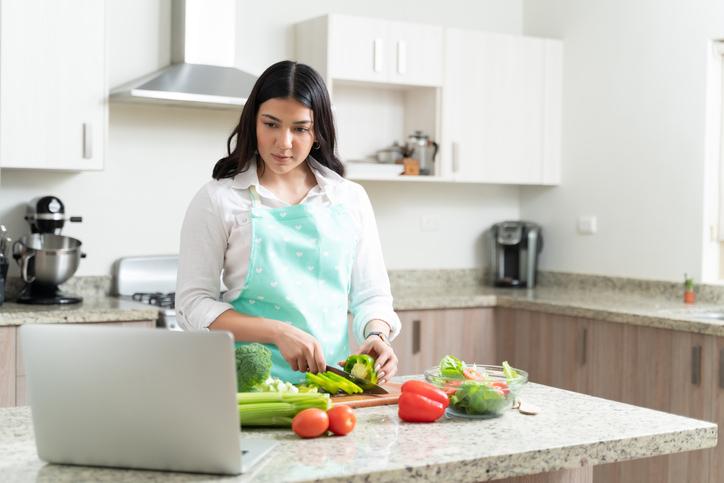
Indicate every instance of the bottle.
{"type": "Point", "coordinates": [689, 294]}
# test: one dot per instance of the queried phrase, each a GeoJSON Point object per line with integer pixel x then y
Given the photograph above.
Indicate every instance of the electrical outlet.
{"type": "Point", "coordinates": [587, 225]}
{"type": "Point", "coordinates": [429, 223]}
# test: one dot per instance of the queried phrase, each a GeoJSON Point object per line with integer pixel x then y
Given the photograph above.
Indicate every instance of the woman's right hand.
{"type": "Point", "coordinates": [302, 351]}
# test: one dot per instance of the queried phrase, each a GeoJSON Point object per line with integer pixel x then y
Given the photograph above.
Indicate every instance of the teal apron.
{"type": "Point", "coordinates": [299, 272]}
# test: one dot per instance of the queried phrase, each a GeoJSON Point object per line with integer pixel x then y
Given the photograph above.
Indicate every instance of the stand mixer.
{"type": "Point", "coordinates": [47, 258]}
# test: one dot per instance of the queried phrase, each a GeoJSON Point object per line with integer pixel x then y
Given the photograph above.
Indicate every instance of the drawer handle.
{"type": "Point", "coordinates": [378, 48]}
{"type": "Point", "coordinates": [401, 57]}
{"type": "Point", "coordinates": [584, 347]}
{"type": "Point", "coordinates": [415, 337]}
{"type": "Point", "coordinates": [455, 156]}
{"type": "Point", "coordinates": [87, 141]}
{"type": "Point", "coordinates": [696, 365]}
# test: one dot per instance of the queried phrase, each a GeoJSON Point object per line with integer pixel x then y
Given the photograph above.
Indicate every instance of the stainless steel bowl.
{"type": "Point", "coordinates": [389, 156]}
{"type": "Point", "coordinates": [47, 258]}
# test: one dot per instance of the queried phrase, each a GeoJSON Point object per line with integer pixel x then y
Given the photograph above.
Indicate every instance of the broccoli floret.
{"type": "Point", "coordinates": [253, 366]}
{"type": "Point", "coordinates": [361, 366]}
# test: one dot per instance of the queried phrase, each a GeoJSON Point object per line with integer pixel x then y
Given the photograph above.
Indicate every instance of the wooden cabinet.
{"type": "Point", "coordinates": [12, 370]}
{"type": "Point", "coordinates": [550, 348]}
{"type": "Point", "coordinates": [428, 335]}
{"type": "Point", "coordinates": [660, 369]}
{"type": "Point", "coordinates": [53, 86]}
{"type": "Point", "coordinates": [502, 108]}
{"type": "Point", "coordinates": [372, 50]}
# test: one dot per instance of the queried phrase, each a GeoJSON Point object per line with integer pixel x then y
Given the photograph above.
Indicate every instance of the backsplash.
{"type": "Point", "coordinates": [406, 280]}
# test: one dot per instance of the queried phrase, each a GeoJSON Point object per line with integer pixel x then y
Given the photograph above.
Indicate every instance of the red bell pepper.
{"type": "Point", "coordinates": [421, 402]}
{"type": "Point", "coordinates": [427, 390]}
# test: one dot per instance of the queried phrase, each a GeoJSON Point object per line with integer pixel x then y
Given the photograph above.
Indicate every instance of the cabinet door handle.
{"type": "Point", "coordinates": [721, 368]}
{"type": "Point", "coordinates": [696, 365]}
{"type": "Point", "coordinates": [583, 348]}
{"type": "Point", "coordinates": [87, 141]}
{"type": "Point", "coordinates": [415, 337]}
{"type": "Point", "coordinates": [378, 48]}
{"type": "Point", "coordinates": [401, 57]}
{"type": "Point", "coordinates": [455, 156]}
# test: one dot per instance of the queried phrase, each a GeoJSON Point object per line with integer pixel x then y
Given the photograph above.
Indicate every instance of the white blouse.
{"type": "Point", "coordinates": [217, 229]}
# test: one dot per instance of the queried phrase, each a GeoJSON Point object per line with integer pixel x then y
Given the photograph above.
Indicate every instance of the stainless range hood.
{"type": "Point", "coordinates": [202, 73]}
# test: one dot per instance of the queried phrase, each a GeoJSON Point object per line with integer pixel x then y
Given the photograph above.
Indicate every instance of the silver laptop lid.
{"type": "Point", "coordinates": [133, 398]}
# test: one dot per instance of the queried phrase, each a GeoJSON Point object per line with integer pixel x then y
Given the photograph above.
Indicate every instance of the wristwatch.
{"type": "Point", "coordinates": [381, 335]}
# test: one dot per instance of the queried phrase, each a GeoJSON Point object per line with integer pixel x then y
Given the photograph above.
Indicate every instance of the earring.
{"type": "Point", "coordinates": [315, 145]}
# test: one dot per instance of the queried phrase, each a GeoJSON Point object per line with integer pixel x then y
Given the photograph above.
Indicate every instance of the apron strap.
{"type": "Point", "coordinates": [255, 200]}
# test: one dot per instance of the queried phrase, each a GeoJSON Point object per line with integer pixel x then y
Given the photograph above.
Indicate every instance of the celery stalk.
{"type": "Point", "coordinates": [276, 408]}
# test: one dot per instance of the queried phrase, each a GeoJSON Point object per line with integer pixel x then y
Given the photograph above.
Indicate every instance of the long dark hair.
{"type": "Point", "coordinates": [285, 79]}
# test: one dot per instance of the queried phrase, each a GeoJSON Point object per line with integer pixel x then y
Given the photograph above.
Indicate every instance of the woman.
{"type": "Point", "coordinates": [297, 243]}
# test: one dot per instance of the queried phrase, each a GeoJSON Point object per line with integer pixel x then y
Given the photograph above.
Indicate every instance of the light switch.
{"type": "Point", "coordinates": [587, 225]}
{"type": "Point", "coordinates": [430, 223]}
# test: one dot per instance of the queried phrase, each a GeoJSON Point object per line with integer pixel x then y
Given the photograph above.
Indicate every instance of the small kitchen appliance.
{"type": "Point", "coordinates": [46, 261]}
{"type": "Point", "coordinates": [515, 247]}
{"type": "Point", "coordinates": [47, 258]}
{"type": "Point", "coordinates": [420, 147]}
{"type": "Point", "coordinates": [149, 280]}
{"type": "Point", "coordinates": [46, 214]}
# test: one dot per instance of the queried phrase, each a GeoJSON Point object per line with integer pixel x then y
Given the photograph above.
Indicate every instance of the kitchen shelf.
{"type": "Point", "coordinates": [404, 179]}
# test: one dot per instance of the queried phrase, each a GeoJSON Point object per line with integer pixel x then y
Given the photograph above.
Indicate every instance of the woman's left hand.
{"type": "Point", "coordinates": [384, 356]}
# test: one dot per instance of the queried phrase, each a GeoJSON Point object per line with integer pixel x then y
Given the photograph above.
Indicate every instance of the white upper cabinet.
{"type": "Point", "coordinates": [53, 88]}
{"type": "Point", "coordinates": [502, 108]}
{"type": "Point", "coordinates": [372, 50]}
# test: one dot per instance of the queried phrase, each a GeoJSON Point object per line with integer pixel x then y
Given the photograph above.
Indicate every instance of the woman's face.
{"type": "Point", "coordinates": [284, 134]}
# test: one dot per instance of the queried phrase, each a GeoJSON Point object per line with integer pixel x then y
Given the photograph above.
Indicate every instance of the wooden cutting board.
{"type": "Point", "coordinates": [369, 400]}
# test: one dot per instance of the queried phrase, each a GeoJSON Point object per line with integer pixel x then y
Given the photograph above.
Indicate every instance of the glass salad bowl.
{"type": "Point", "coordinates": [483, 392]}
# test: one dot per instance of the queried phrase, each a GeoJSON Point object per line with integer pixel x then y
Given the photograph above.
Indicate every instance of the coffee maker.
{"type": "Point", "coordinates": [47, 258]}
{"type": "Point", "coordinates": [515, 247]}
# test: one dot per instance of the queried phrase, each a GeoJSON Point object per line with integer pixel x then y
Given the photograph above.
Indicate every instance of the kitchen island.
{"type": "Point", "coordinates": [572, 433]}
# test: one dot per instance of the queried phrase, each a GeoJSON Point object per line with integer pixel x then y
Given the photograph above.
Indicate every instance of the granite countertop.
{"type": "Point", "coordinates": [97, 308]}
{"type": "Point", "coordinates": [629, 301]}
{"type": "Point", "coordinates": [572, 430]}
{"type": "Point", "coordinates": [653, 310]}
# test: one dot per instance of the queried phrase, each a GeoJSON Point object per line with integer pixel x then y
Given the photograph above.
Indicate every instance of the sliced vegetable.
{"type": "Point", "coordinates": [276, 408]}
{"type": "Point", "coordinates": [342, 419]}
{"type": "Point", "coordinates": [452, 367]}
{"type": "Point", "coordinates": [416, 408]}
{"type": "Point", "coordinates": [471, 373]}
{"type": "Point", "coordinates": [361, 366]}
{"type": "Point", "coordinates": [310, 423]}
{"type": "Point", "coordinates": [332, 383]}
{"type": "Point", "coordinates": [322, 382]}
{"type": "Point", "coordinates": [274, 384]}
{"type": "Point", "coordinates": [345, 385]}
{"type": "Point", "coordinates": [509, 372]}
{"type": "Point", "coordinates": [477, 397]}
{"type": "Point", "coordinates": [427, 390]}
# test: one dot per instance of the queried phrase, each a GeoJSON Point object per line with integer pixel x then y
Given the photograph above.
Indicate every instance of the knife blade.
{"type": "Point", "coordinates": [366, 386]}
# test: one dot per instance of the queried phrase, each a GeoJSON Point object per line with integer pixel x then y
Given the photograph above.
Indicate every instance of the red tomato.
{"type": "Point", "coordinates": [416, 408]}
{"type": "Point", "coordinates": [471, 373]}
{"type": "Point", "coordinates": [427, 390]}
{"type": "Point", "coordinates": [310, 423]}
{"type": "Point", "coordinates": [502, 385]}
{"type": "Point", "coordinates": [341, 419]}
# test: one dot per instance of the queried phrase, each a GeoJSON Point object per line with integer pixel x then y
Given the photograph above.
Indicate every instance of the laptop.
{"type": "Point", "coordinates": [136, 398]}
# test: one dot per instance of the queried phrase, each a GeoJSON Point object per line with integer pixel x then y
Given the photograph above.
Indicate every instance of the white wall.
{"type": "Point", "coordinates": [158, 157]}
{"type": "Point", "coordinates": [634, 102]}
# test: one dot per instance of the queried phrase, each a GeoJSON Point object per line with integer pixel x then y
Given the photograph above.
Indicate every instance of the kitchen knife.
{"type": "Point", "coordinates": [366, 386]}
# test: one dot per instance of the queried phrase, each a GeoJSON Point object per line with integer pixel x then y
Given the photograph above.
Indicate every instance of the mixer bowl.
{"type": "Point", "coordinates": [46, 258]}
